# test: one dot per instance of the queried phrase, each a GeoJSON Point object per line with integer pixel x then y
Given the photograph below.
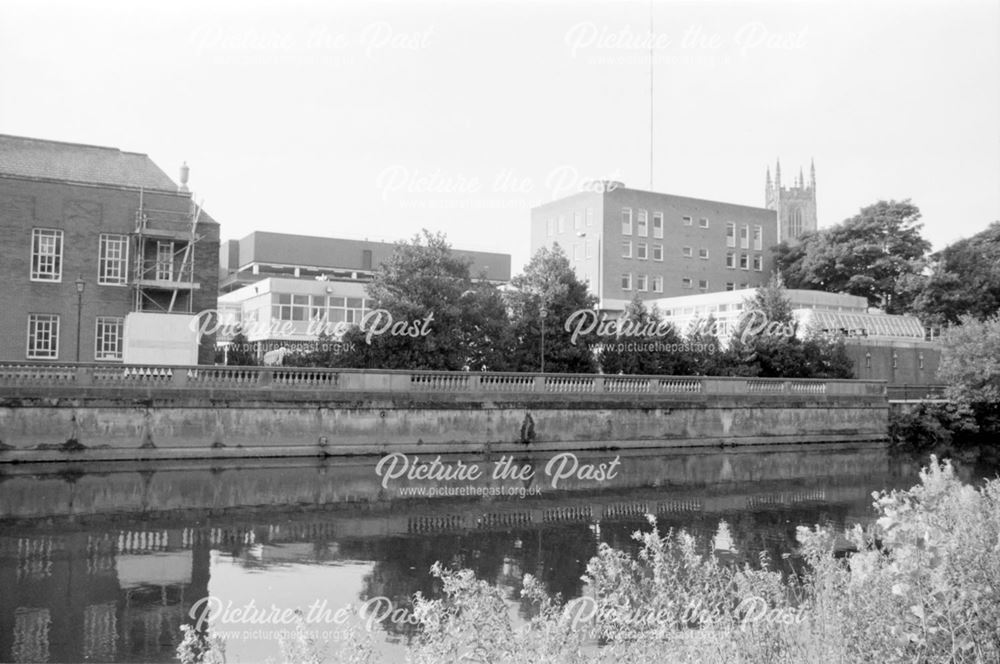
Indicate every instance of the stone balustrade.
{"type": "Point", "coordinates": [15, 376]}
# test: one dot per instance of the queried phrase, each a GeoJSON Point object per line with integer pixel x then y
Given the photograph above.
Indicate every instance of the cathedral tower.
{"type": "Point", "coordinates": [795, 205]}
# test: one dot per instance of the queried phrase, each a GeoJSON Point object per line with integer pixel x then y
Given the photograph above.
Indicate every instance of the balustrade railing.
{"type": "Point", "coordinates": [15, 376]}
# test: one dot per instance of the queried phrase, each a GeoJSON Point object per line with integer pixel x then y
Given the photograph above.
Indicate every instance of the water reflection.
{"type": "Point", "coordinates": [104, 563]}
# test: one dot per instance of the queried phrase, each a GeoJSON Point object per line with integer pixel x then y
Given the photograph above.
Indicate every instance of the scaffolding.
{"type": "Point", "coordinates": [160, 282]}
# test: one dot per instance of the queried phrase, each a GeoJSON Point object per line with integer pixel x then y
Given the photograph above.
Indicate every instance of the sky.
{"type": "Point", "coordinates": [375, 120]}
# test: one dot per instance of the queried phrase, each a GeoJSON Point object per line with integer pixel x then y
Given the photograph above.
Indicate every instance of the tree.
{"type": "Point", "coordinates": [549, 284]}
{"type": "Point", "coordinates": [238, 352]}
{"type": "Point", "coordinates": [429, 313]}
{"type": "Point", "coordinates": [970, 364]}
{"type": "Point", "coordinates": [651, 346]}
{"type": "Point", "coordinates": [965, 280]}
{"type": "Point", "coordinates": [766, 341]}
{"type": "Point", "coordinates": [872, 254]}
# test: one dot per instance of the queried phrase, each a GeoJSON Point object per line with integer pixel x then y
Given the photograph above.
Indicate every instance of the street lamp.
{"type": "Point", "coordinates": [80, 286]}
{"type": "Point", "coordinates": [542, 313]}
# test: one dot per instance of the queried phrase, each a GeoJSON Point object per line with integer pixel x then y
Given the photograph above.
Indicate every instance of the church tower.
{"type": "Point", "coordinates": [795, 205]}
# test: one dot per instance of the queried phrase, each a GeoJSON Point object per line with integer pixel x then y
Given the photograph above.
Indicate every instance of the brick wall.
{"type": "Point", "coordinates": [82, 212]}
{"type": "Point", "coordinates": [899, 363]}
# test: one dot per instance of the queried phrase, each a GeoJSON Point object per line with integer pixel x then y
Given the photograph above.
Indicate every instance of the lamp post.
{"type": "Point", "coordinates": [80, 286]}
{"type": "Point", "coordinates": [542, 313]}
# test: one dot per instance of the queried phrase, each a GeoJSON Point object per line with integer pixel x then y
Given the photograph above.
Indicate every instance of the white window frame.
{"type": "Point", "coordinates": [109, 349]}
{"type": "Point", "coordinates": [758, 263]}
{"type": "Point", "coordinates": [641, 251]}
{"type": "Point", "coordinates": [641, 283]}
{"type": "Point", "coordinates": [730, 285]}
{"type": "Point", "coordinates": [731, 260]}
{"type": "Point", "coordinates": [686, 282]}
{"type": "Point", "coordinates": [703, 289]}
{"type": "Point", "coordinates": [758, 237]}
{"type": "Point", "coordinates": [578, 251]}
{"type": "Point", "coordinates": [561, 228]}
{"type": "Point", "coordinates": [744, 236]}
{"type": "Point", "coordinates": [589, 248]}
{"type": "Point", "coordinates": [590, 217]}
{"type": "Point", "coordinates": [731, 234]}
{"type": "Point", "coordinates": [744, 262]}
{"type": "Point", "coordinates": [112, 270]}
{"type": "Point", "coordinates": [658, 284]}
{"type": "Point", "coordinates": [687, 252]}
{"type": "Point", "coordinates": [703, 222]}
{"type": "Point", "coordinates": [687, 221]}
{"type": "Point", "coordinates": [626, 248]}
{"type": "Point", "coordinates": [658, 225]}
{"type": "Point", "coordinates": [626, 281]}
{"type": "Point", "coordinates": [46, 255]}
{"type": "Point", "coordinates": [577, 220]}
{"type": "Point", "coordinates": [50, 324]}
{"type": "Point", "coordinates": [626, 220]}
{"type": "Point", "coordinates": [703, 253]}
{"type": "Point", "coordinates": [161, 261]}
{"type": "Point", "coordinates": [658, 252]}
{"type": "Point", "coordinates": [550, 226]}
{"type": "Point", "coordinates": [642, 223]}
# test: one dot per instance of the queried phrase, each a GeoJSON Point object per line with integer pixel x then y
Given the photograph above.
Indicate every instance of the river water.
{"type": "Point", "coordinates": [104, 562]}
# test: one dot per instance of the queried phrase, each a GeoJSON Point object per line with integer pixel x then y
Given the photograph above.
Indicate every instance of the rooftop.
{"type": "Point", "coordinates": [76, 162]}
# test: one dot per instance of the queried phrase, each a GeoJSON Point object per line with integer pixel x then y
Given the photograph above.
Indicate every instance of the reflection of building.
{"type": "Point", "coordinates": [626, 241]}
{"type": "Point", "coordinates": [281, 288]}
{"type": "Point", "coordinates": [111, 221]}
{"type": "Point", "coordinates": [882, 346]}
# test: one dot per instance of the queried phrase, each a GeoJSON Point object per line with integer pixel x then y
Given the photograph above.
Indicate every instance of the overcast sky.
{"type": "Point", "coordinates": [375, 120]}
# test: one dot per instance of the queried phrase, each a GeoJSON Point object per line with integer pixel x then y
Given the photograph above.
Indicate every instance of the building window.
{"type": "Point", "coordinates": [703, 253]}
{"type": "Point", "coordinates": [758, 262]}
{"type": "Point", "coordinates": [590, 217]}
{"type": "Point", "coordinates": [112, 260]}
{"type": "Point", "coordinates": [657, 284]}
{"type": "Point", "coordinates": [43, 336]}
{"type": "Point", "coordinates": [46, 254]}
{"type": "Point", "coordinates": [641, 251]}
{"type": "Point", "coordinates": [685, 283]}
{"type": "Point", "coordinates": [744, 237]}
{"type": "Point", "coordinates": [703, 222]}
{"type": "Point", "coordinates": [642, 223]}
{"type": "Point", "coordinates": [657, 252]}
{"type": "Point", "coordinates": [577, 251]}
{"type": "Point", "coordinates": [730, 234]}
{"type": "Point", "coordinates": [108, 338]}
{"type": "Point", "coordinates": [347, 309]}
{"type": "Point", "coordinates": [730, 260]}
{"type": "Point", "coordinates": [730, 286]}
{"type": "Point", "coordinates": [744, 286]}
{"type": "Point", "coordinates": [744, 264]}
{"type": "Point", "coordinates": [640, 282]}
{"type": "Point", "coordinates": [687, 221]}
{"type": "Point", "coordinates": [758, 238]}
{"type": "Point", "coordinates": [164, 260]}
{"type": "Point", "coordinates": [589, 248]}
{"type": "Point", "coordinates": [795, 222]}
{"type": "Point", "coordinates": [626, 221]}
{"type": "Point", "coordinates": [627, 281]}
{"type": "Point", "coordinates": [290, 307]}
{"type": "Point", "coordinates": [577, 221]}
{"type": "Point", "coordinates": [562, 225]}
{"type": "Point", "coordinates": [626, 248]}
{"type": "Point", "coordinates": [703, 285]}
{"type": "Point", "coordinates": [551, 226]}
{"type": "Point", "coordinates": [658, 225]}
{"type": "Point", "coordinates": [687, 252]}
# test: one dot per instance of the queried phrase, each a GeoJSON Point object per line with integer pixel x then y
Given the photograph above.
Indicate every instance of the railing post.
{"type": "Point", "coordinates": [266, 377]}
{"type": "Point", "coordinates": [599, 384]}
{"type": "Point", "coordinates": [179, 376]}
{"type": "Point", "coordinates": [84, 375]}
{"type": "Point", "coordinates": [539, 383]}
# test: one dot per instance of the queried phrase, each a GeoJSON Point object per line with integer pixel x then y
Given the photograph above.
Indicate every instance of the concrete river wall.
{"type": "Point", "coordinates": [97, 412]}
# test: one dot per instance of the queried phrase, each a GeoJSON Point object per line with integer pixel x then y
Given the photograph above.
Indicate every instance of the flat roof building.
{"type": "Point", "coordinates": [264, 254]}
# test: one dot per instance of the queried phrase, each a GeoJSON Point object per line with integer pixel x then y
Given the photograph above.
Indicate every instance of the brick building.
{"type": "Point", "coordinates": [625, 241]}
{"type": "Point", "coordinates": [110, 222]}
